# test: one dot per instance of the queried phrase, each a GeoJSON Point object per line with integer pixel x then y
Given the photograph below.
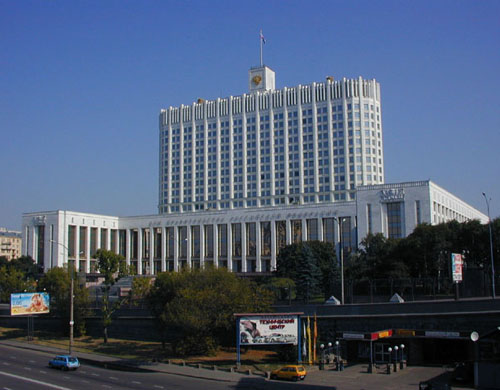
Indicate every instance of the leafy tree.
{"type": "Point", "coordinates": [3, 261]}
{"type": "Point", "coordinates": [12, 281]}
{"type": "Point", "coordinates": [27, 266]}
{"type": "Point", "coordinates": [140, 289]}
{"type": "Point", "coordinates": [283, 288]}
{"type": "Point", "coordinates": [57, 282]}
{"type": "Point", "coordinates": [198, 306]}
{"type": "Point", "coordinates": [113, 267]}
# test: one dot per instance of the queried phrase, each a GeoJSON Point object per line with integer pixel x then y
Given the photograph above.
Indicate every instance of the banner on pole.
{"type": "Point", "coordinates": [457, 263]}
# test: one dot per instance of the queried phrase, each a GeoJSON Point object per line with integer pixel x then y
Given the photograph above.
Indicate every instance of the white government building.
{"type": "Point", "coordinates": [241, 177]}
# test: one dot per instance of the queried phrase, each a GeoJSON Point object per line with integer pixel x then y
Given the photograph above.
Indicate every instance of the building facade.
{"type": "Point", "coordinates": [10, 244]}
{"type": "Point", "coordinates": [242, 240]}
{"type": "Point", "coordinates": [241, 177]}
{"type": "Point", "coordinates": [307, 144]}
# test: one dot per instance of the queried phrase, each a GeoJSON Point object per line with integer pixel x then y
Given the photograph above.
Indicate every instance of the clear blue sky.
{"type": "Point", "coordinates": [82, 84]}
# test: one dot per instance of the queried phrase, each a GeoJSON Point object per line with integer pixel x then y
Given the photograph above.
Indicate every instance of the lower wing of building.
{"type": "Point", "coordinates": [241, 240]}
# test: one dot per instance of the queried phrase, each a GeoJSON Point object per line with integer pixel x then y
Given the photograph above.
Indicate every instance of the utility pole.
{"type": "Point", "coordinates": [71, 297]}
{"type": "Point", "coordinates": [491, 248]}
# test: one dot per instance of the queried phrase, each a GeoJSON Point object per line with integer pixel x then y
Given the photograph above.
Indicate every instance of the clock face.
{"type": "Point", "coordinates": [256, 80]}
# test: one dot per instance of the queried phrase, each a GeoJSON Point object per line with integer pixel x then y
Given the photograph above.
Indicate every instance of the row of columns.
{"type": "Point", "coordinates": [181, 233]}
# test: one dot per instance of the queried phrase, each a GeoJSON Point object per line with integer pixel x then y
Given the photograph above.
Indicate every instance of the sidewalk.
{"type": "Point", "coordinates": [353, 377]}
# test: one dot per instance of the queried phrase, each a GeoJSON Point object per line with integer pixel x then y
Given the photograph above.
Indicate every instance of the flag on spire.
{"type": "Point", "coordinates": [262, 37]}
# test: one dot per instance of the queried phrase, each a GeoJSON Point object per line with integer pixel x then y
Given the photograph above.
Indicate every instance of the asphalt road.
{"type": "Point", "coordinates": [26, 369]}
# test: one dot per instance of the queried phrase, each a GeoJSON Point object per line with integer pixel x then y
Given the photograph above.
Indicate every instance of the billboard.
{"type": "Point", "coordinates": [29, 303]}
{"type": "Point", "coordinates": [269, 329]}
{"type": "Point", "coordinates": [456, 267]}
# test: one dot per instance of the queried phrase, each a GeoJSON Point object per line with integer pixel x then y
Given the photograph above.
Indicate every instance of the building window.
{"type": "Point", "coordinates": [222, 241]}
{"type": "Point", "coordinates": [265, 230]}
{"type": "Point", "coordinates": [83, 241]}
{"type": "Point", "coordinates": [251, 239]}
{"type": "Point", "coordinates": [133, 244]}
{"type": "Point", "coordinates": [394, 222]}
{"type": "Point", "coordinates": [182, 242]}
{"type": "Point", "coordinates": [170, 242]}
{"type": "Point", "coordinates": [209, 241]}
{"type": "Point", "coordinates": [296, 231]}
{"type": "Point", "coordinates": [236, 239]}
{"type": "Point", "coordinates": [71, 240]}
{"type": "Point", "coordinates": [122, 245]}
{"type": "Point", "coordinates": [280, 235]}
{"type": "Point", "coordinates": [157, 243]}
{"type": "Point", "coordinates": [346, 236]}
{"type": "Point", "coordinates": [369, 217]}
{"type": "Point", "coordinates": [40, 245]}
{"type": "Point", "coordinates": [195, 242]}
{"type": "Point", "coordinates": [312, 229]}
{"type": "Point", "coordinates": [104, 239]}
{"type": "Point", "coordinates": [418, 212]}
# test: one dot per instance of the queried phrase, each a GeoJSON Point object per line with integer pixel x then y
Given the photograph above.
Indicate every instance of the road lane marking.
{"type": "Point", "coordinates": [159, 387]}
{"type": "Point", "coordinates": [137, 383]}
{"type": "Point", "coordinates": [27, 368]}
{"type": "Point", "coordinates": [43, 372]}
{"type": "Point", "coordinates": [112, 377]}
{"type": "Point", "coordinates": [34, 381]}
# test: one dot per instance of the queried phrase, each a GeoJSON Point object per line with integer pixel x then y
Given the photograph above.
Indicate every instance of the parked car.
{"type": "Point", "coordinates": [291, 372]}
{"type": "Point", "coordinates": [64, 362]}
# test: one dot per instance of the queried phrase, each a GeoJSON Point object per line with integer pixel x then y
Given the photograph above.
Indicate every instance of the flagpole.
{"type": "Point", "coordinates": [260, 39]}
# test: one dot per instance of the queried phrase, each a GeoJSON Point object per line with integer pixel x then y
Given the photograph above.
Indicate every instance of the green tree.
{"type": "Point", "coordinates": [309, 277]}
{"type": "Point", "coordinates": [57, 282]}
{"type": "Point", "coordinates": [199, 305]}
{"type": "Point", "coordinates": [27, 266]}
{"type": "Point", "coordinates": [311, 265]}
{"type": "Point", "coordinates": [113, 267]}
{"type": "Point", "coordinates": [140, 290]}
{"type": "Point", "coordinates": [12, 281]}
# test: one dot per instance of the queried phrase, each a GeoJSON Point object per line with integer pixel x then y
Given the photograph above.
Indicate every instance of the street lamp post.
{"type": "Point", "coordinates": [389, 365]}
{"type": "Point", "coordinates": [337, 355]}
{"type": "Point", "coordinates": [396, 358]}
{"type": "Point", "coordinates": [71, 303]}
{"type": "Point", "coordinates": [401, 362]}
{"type": "Point", "coordinates": [339, 222]}
{"type": "Point", "coordinates": [491, 247]}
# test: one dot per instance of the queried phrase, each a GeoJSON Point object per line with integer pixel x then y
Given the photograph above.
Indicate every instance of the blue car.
{"type": "Point", "coordinates": [64, 362]}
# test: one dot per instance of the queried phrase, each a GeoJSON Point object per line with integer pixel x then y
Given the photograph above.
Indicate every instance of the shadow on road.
{"type": "Point", "coordinates": [261, 383]}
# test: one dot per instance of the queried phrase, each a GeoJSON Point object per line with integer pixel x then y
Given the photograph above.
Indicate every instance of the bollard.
{"type": "Point", "coordinates": [388, 369]}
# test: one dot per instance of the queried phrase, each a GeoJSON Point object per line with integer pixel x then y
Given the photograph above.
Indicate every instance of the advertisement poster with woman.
{"type": "Point", "coordinates": [29, 303]}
